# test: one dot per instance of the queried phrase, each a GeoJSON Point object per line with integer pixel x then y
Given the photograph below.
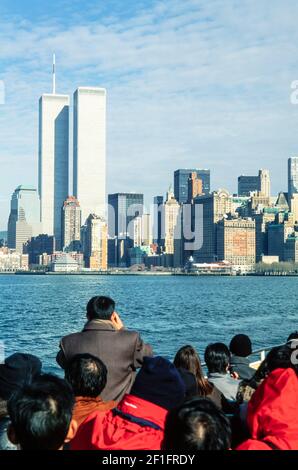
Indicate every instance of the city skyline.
{"type": "Point", "coordinates": [184, 88]}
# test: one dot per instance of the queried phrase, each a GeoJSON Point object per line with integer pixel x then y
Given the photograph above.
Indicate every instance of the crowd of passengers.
{"type": "Point", "coordinates": [117, 395]}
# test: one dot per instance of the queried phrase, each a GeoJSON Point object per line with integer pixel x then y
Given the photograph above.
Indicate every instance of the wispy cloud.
{"type": "Point", "coordinates": [189, 83]}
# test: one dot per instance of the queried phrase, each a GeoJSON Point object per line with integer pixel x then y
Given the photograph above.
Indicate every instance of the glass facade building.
{"type": "Point", "coordinates": [123, 208]}
{"type": "Point", "coordinates": [53, 161]}
{"type": "Point", "coordinates": [181, 177]}
{"type": "Point", "coordinates": [292, 177]}
{"type": "Point", "coordinates": [24, 217]}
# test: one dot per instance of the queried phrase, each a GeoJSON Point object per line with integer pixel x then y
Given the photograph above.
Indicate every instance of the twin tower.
{"type": "Point", "coordinates": [88, 164]}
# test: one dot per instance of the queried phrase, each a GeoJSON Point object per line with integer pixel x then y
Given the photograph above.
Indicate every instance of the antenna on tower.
{"type": "Point", "coordinates": [54, 74]}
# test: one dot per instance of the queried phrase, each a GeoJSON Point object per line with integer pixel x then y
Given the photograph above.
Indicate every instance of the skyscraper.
{"type": "Point", "coordinates": [89, 142]}
{"type": "Point", "coordinates": [292, 177]}
{"type": "Point", "coordinates": [95, 242]}
{"type": "Point", "coordinates": [157, 218]}
{"type": "Point", "coordinates": [181, 182]}
{"type": "Point", "coordinates": [195, 187]}
{"type": "Point", "coordinates": [265, 186]}
{"type": "Point", "coordinates": [142, 230]}
{"type": "Point", "coordinates": [123, 208]}
{"type": "Point", "coordinates": [53, 161]}
{"type": "Point", "coordinates": [172, 222]}
{"type": "Point", "coordinates": [215, 207]}
{"type": "Point", "coordinates": [24, 217]}
{"type": "Point", "coordinates": [71, 224]}
{"type": "Point", "coordinates": [236, 241]}
{"type": "Point", "coordinates": [247, 185]}
{"type": "Point", "coordinates": [260, 183]}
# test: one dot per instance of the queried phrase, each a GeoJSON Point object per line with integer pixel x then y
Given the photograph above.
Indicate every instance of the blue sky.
{"type": "Point", "coordinates": [192, 83]}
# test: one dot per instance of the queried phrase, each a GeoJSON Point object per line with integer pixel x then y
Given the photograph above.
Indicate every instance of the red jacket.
{"type": "Point", "coordinates": [107, 431]}
{"type": "Point", "coordinates": [272, 415]}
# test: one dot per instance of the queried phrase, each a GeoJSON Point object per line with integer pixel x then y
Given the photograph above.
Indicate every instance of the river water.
{"type": "Point", "coordinates": [169, 311]}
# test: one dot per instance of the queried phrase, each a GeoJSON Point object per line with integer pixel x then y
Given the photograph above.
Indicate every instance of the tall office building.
{"type": "Point", "coordinates": [89, 147]}
{"type": "Point", "coordinates": [247, 185]}
{"type": "Point", "coordinates": [277, 236]}
{"type": "Point", "coordinates": [123, 208]}
{"type": "Point", "coordinates": [292, 178]}
{"type": "Point", "coordinates": [24, 217]}
{"type": "Point", "coordinates": [53, 161]}
{"type": "Point", "coordinates": [181, 182]}
{"type": "Point", "coordinates": [252, 184]}
{"type": "Point", "coordinates": [71, 224]}
{"type": "Point", "coordinates": [265, 186]}
{"type": "Point", "coordinates": [172, 222]}
{"type": "Point", "coordinates": [157, 219]}
{"type": "Point", "coordinates": [215, 207]}
{"type": "Point", "coordinates": [236, 241]}
{"type": "Point", "coordinates": [142, 230]}
{"type": "Point", "coordinates": [195, 187]}
{"type": "Point", "coordinates": [95, 243]}
{"type": "Point", "coordinates": [262, 220]}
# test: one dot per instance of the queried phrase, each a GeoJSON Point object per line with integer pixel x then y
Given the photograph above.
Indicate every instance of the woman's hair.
{"type": "Point", "coordinates": [188, 358]}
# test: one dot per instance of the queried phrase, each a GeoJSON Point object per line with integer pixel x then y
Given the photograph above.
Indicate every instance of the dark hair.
{"type": "Point", "coordinates": [100, 307]}
{"type": "Point", "coordinates": [240, 345]}
{"type": "Point", "coordinates": [281, 357]}
{"type": "Point", "coordinates": [188, 358]}
{"type": "Point", "coordinates": [197, 425]}
{"type": "Point", "coordinates": [86, 374]}
{"type": "Point", "coordinates": [292, 336]}
{"type": "Point", "coordinates": [217, 357]}
{"type": "Point", "coordinates": [41, 413]}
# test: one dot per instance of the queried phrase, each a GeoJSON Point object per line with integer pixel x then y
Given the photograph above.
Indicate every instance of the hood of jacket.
{"type": "Point", "coordinates": [272, 416]}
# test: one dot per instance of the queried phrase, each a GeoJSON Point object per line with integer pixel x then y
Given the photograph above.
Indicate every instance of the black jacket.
{"type": "Point", "coordinates": [241, 366]}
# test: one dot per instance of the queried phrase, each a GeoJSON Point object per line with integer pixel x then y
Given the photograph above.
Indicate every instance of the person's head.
{"type": "Point", "coordinates": [188, 358]}
{"type": "Point", "coordinates": [159, 382]}
{"type": "Point", "coordinates": [16, 371]}
{"type": "Point", "coordinates": [87, 375]}
{"type": "Point", "coordinates": [197, 425]}
{"type": "Point", "coordinates": [281, 357]}
{"type": "Point", "coordinates": [100, 308]}
{"type": "Point", "coordinates": [240, 345]}
{"type": "Point", "coordinates": [217, 358]}
{"type": "Point", "coordinates": [41, 414]}
{"type": "Point", "coordinates": [293, 336]}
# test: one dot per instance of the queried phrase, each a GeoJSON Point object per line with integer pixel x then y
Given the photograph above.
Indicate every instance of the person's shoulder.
{"type": "Point", "coordinates": [71, 336]}
{"type": "Point", "coordinates": [128, 333]}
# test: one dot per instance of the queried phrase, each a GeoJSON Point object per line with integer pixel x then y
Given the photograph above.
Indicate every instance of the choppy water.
{"type": "Point", "coordinates": [169, 311]}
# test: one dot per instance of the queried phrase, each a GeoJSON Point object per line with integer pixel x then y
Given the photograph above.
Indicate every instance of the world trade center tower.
{"type": "Point", "coordinates": [89, 142]}
{"type": "Point", "coordinates": [53, 160]}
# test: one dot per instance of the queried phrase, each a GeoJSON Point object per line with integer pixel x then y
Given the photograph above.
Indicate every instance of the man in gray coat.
{"type": "Point", "coordinates": [105, 337]}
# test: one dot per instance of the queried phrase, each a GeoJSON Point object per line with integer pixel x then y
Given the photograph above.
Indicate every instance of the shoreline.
{"type": "Point", "coordinates": [145, 273]}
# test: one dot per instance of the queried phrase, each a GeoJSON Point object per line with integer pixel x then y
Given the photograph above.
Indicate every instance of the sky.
{"type": "Point", "coordinates": [189, 83]}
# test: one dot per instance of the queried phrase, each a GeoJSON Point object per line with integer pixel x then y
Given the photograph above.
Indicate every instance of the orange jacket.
{"type": "Point", "coordinates": [84, 406]}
